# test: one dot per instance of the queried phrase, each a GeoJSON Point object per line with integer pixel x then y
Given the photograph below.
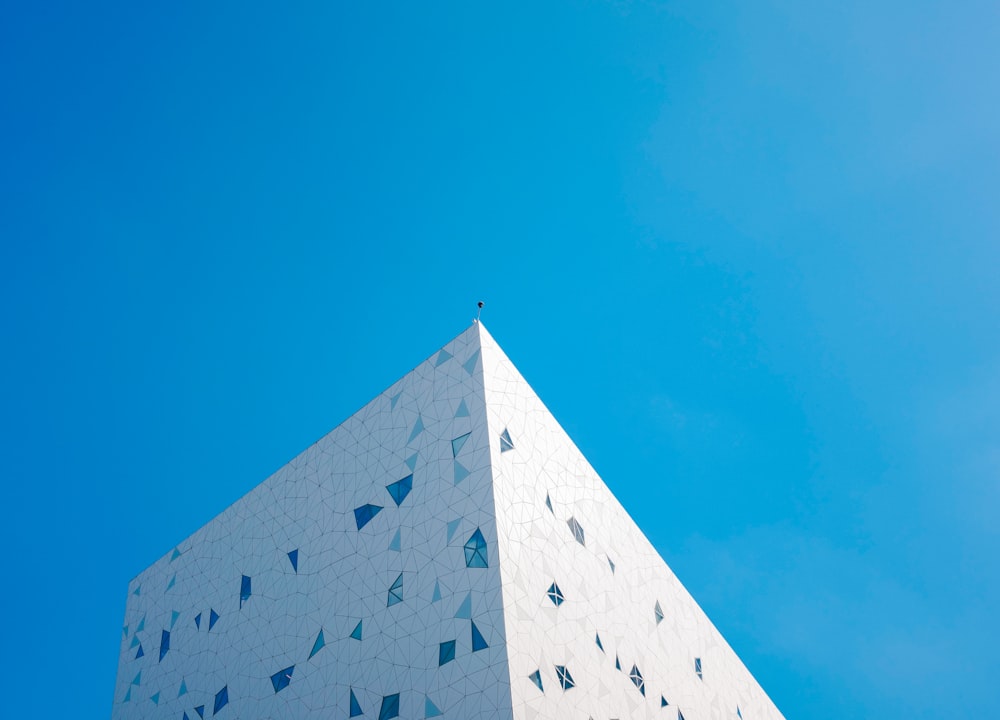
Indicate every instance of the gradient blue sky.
{"type": "Point", "coordinates": [746, 252]}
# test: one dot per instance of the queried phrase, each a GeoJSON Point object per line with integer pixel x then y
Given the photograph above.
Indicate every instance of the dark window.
{"type": "Point", "coordinates": [364, 514]}
{"type": "Point", "coordinates": [458, 443]}
{"type": "Point", "coordinates": [395, 592]}
{"type": "Point", "coordinates": [536, 677]}
{"type": "Point", "coordinates": [390, 707]}
{"type": "Point", "coordinates": [244, 590]}
{"type": "Point", "coordinates": [400, 489]}
{"type": "Point", "coordinates": [221, 699]}
{"type": "Point", "coordinates": [165, 643]}
{"type": "Point", "coordinates": [636, 677]}
{"type": "Point", "coordinates": [281, 678]}
{"type": "Point", "coordinates": [565, 679]}
{"type": "Point", "coordinates": [446, 652]}
{"type": "Point", "coordinates": [317, 646]}
{"type": "Point", "coordinates": [478, 641]}
{"type": "Point", "coordinates": [475, 551]}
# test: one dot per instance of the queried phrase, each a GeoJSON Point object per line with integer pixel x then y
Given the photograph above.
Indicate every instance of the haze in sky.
{"type": "Point", "coordinates": [746, 253]}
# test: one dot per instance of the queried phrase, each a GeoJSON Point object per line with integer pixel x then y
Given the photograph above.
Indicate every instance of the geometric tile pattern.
{"type": "Point", "coordinates": [477, 592]}
{"type": "Point", "coordinates": [584, 592]}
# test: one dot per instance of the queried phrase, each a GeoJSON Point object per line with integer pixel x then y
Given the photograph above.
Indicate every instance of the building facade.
{"type": "Point", "coordinates": [445, 552]}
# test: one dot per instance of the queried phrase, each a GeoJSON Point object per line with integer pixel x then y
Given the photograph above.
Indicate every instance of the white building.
{"type": "Point", "coordinates": [445, 552]}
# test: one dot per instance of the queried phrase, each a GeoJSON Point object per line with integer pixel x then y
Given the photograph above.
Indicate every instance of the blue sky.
{"type": "Point", "coordinates": [747, 254]}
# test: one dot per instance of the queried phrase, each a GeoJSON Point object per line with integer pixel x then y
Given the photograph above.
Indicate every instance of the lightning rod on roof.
{"type": "Point", "coordinates": [480, 305]}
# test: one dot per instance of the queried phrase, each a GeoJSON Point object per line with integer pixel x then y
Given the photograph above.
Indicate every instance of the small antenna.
{"type": "Point", "coordinates": [480, 304]}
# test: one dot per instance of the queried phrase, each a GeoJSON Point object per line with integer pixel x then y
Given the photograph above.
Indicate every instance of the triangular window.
{"type": "Point", "coordinates": [458, 443]}
{"type": "Point", "coordinates": [395, 592]}
{"type": "Point", "coordinates": [478, 641]}
{"type": "Point", "coordinates": [364, 514]}
{"type": "Point", "coordinates": [446, 652]}
{"type": "Point", "coordinates": [400, 489]}
{"type": "Point", "coordinates": [536, 677]}
{"type": "Point", "coordinates": [164, 644]}
{"type": "Point", "coordinates": [317, 646]}
{"type": "Point", "coordinates": [355, 705]}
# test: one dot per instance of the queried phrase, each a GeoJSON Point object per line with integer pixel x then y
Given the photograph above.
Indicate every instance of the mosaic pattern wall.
{"type": "Point", "coordinates": [445, 552]}
{"type": "Point", "coordinates": [597, 624]}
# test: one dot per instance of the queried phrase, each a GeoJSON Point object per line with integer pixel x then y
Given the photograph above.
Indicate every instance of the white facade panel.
{"type": "Point", "coordinates": [559, 525]}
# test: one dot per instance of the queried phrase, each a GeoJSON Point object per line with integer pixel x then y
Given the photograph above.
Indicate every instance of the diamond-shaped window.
{"type": "Point", "coordinates": [505, 441]}
{"type": "Point", "coordinates": [636, 677]}
{"type": "Point", "coordinates": [577, 531]}
{"type": "Point", "coordinates": [555, 595]}
{"type": "Point", "coordinates": [281, 678]}
{"type": "Point", "coordinates": [565, 679]}
{"type": "Point", "coordinates": [475, 551]}
{"type": "Point", "coordinates": [221, 699]}
{"type": "Point", "coordinates": [697, 667]}
{"type": "Point", "coordinates": [658, 612]}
